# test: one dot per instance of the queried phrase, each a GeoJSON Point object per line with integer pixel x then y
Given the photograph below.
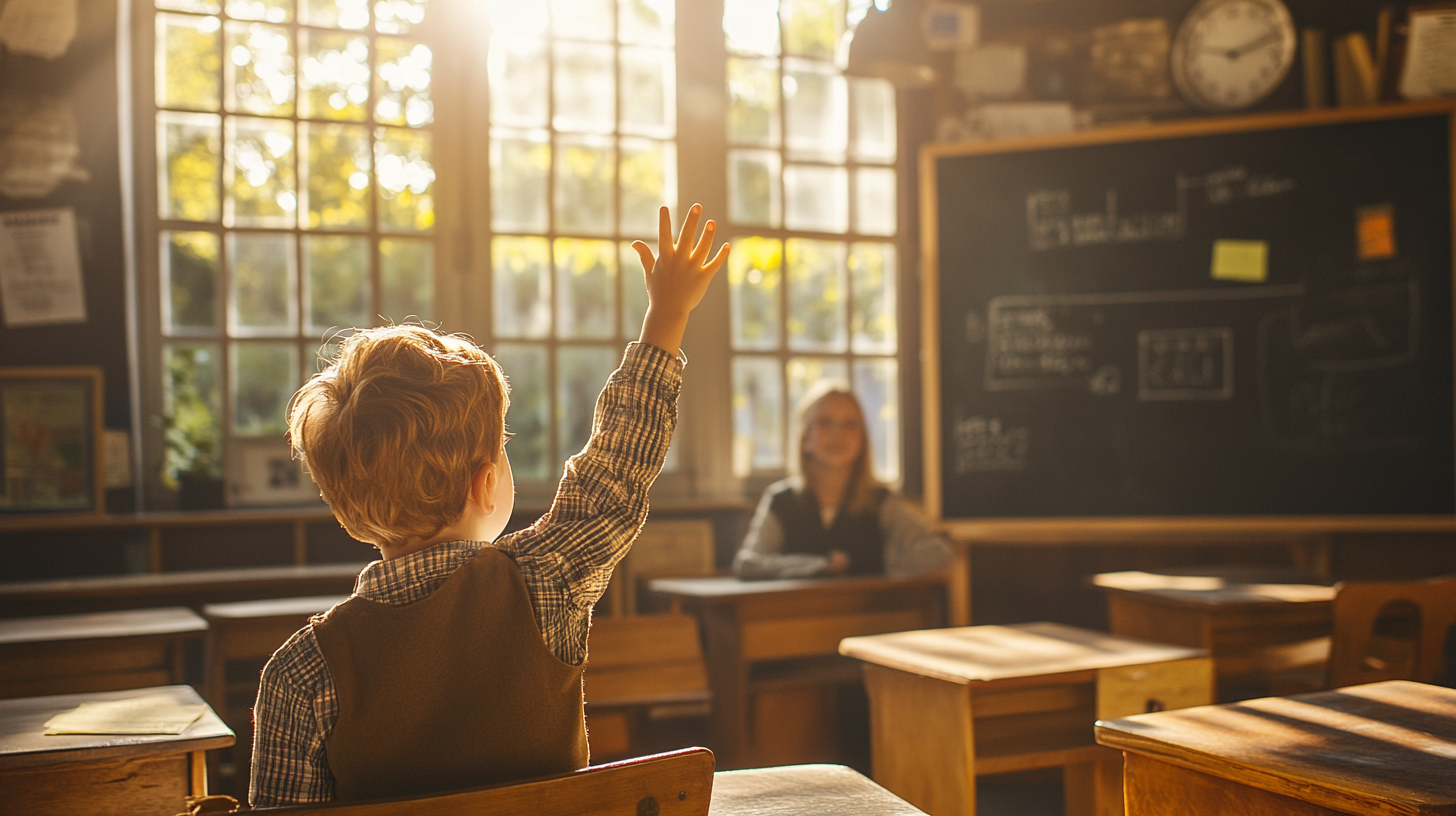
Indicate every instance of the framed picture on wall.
{"type": "Point", "coordinates": [50, 440]}
{"type": "Point", "coordinates": [264, 472]}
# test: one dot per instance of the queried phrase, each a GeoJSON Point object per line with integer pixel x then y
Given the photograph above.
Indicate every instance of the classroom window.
{"type": "Point", "coordinates": [812, 203]}
{"type": "Point", "coordinates": [294, 200]}
{"type": "Point", "coordinates": [582, 152]}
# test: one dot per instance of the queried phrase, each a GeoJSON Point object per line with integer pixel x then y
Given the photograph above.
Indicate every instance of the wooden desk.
{"type": "Point", "coordinates": [100, 775]}
{"type": "Point", "coordinates": [1383, 748]}
{"type": "Point", "coordinates": [64, 654]}
{"type": "Point", "coordinates": [802, 790]}
{"type": "Point", "coordinates": [948, 705]}
{"type": "Point", "coordinates": [1257, 631]}
{"type": "Point", "coordinates": [772, 647]}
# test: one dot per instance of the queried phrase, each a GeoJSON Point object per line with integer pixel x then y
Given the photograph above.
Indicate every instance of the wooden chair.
{"type": "Point", "coordinates": [103, 651]}
{"type": "Point", "coordinates": [679, 783]}
{"type": "Point", "coordinates": [643, 668]}
{"type": "Point", "coordinates": [666, 548]}
{"type": "Point", "coordinates": [1390, 630]}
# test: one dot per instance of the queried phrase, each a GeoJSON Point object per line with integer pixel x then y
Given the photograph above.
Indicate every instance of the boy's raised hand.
{"type": "Point", "coordinates": [677, 278]}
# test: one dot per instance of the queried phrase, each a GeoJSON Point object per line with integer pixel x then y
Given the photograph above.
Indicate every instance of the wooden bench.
{"type": "Point", "coordinates": [192, 589]}
{"type": "Point", "coordinates": [642, 670]}
{"type": "Point", "coordinates": [103, 651]}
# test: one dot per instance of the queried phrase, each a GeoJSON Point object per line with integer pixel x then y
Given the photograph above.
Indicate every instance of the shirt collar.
{"type": "Point", "coordinates": [409, 578]}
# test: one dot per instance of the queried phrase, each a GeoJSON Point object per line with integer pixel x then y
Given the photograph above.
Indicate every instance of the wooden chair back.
{"type": "Point", "coordinates": [643, 669]}
{"type": "Point", "coordinates": [1364, 650]}
{"type": "Point", "coordinates": [100, 651]}
{"type": "Point", "coordinates": [679, 783]}
{"type": "Point", "coordinates": [665, 548]}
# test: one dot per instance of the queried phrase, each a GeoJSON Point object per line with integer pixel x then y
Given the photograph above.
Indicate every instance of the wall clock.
{"type": "Point", "coordinates": [1230, 54]}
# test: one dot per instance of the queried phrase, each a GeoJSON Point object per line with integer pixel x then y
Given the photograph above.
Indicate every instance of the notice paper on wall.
{"type": "Point", "coordinates": [1430, 54]}
{"type": "Point", "coordinates": [40, 268]}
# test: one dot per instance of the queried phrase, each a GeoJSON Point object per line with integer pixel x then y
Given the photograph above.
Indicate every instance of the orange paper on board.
{"type": "Point", "coordinates": [1375, 232]}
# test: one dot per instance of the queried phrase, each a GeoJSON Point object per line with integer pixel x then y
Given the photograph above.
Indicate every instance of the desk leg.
{"type": "Point", "coordinates": [728, 676]}
{"type": "Point", "coordinates": [1094, 788]}
{"type": "Point", "coordinates": [921, 740]}
{"type": "Point", "coordinates": [198, 761]}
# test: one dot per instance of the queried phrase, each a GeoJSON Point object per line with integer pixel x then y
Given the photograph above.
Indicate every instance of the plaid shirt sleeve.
{"type": "Point", "coordinates": [297, 707]}
{"type": "Point", "coordinates": [566, 558]}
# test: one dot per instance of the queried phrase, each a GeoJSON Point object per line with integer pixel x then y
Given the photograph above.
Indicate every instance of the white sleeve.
{"type": "Point", "coordinates": [911, 547]}
{"type": "Point", "coordinates": [762, 557]}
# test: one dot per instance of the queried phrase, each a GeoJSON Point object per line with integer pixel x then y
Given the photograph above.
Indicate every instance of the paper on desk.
{"type": "Point", "coordinates": [137, 715]}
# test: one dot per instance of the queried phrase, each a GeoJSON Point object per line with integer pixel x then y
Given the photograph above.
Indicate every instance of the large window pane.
{"type": "Point", "coordinates": [815, 110]}
{"type": "Point", "coordinates": [261, 187]}
{"type": "Point", "coordinates": [649, 180]}
{"type": "Point", "coordinates": [585, 88]}
{"type": "Point", "coordinates": [872, 271]}
{"type": "Point", "coordinates": [398, 16]}
{"type": "Point", "coordinates": [336, 169]}
{"type": "Point", "coordinates": [521, 278]}
{"type": "Point", "coordinates": [583, 19]}
{"type": "Point", "coordinates": [336, 271]}
{"type": "Point", "coordinates": [272, 11]}
{"type": "Point", "coordinates": [264, 377]}
{"type": "Point", "coordinates": [804, 373]}
{"type": "Point", "coordinates": [586, 279]}
{"type": "Point", "coordinates": [585, 185]}
{"type": "Point", "coordinates": [406, 180]}
{"type": "Point", "coordinates": [758, 415]}
{"type": "Point", "coordinates": [188, 62]}
{"type": "Point", "coordinates": [876, 383]}
{"type": "Point", "coordinates": [199, 6]}
{"type": "Point", "coordinates": [647, 92]}
{"type": "Point", "coordinates": [518, 82]}
{"type": "Point", "coordinates": [634, 289]}
{"type": "Point", "coordinates": [351, 14]}
{"type": "Point", "coordinates": [406, 279]}
{"type": "Point", "coordinates": [528, 369]}
{"type": "Point", "coordinates": [519, 166]}
{"type": "Point", "coordinates": [402, 84]}
{"type": "Point", "coordinates": [754, 269]}
{"type": "Point", "coordinates": [646, 21]}
{"type": "Point", "coordinates": [874, 120]}
{"type": "Point", "coordinates": [263, 270]}
{"type": "Point", "coordinates": [874, 201]}
{"type": "Point", "coordinates": [189, 147]}
{"type": "Point", "coordinates": [259, 69]}
{"type": "Point", "coordinates": [812, 28]}
{"type": "Point", "coordinates": [581, 373]}
{"type": "Point", "coordinates": [815, 273]}
{"type": "Point", "coordinates": [753, 102]}
{"type": "Point", "coordinates": [753, 188]}
{"type": "Point", "coordinates": [190, 279]}
{"type": "Point", "coordinates": [333, 77]}
{"type": "Point", "coordinates": [191, 411]}
{"type": "Point", "coordinates": [752, 26]}
{"type": "Point", "coordinates": [816, 198]}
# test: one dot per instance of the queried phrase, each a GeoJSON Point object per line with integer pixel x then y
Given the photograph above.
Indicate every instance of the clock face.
{"type": "Point", "coordinates": [1230, 54]}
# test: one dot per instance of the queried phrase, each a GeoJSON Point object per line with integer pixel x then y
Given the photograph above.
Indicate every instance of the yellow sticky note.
{"type": "Point", "coordinates": [1375, 232]}
{"type": "Point", "coordinates": [1246, 261]}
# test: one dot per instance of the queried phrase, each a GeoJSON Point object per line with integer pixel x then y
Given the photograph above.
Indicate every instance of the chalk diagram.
{"type": "Point", "coordinates": [1333, 369]}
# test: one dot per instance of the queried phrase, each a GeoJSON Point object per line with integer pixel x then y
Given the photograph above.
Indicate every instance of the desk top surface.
{"type": "Point", "coordinates": [1379, 748]}
{"type": "Point", "coordinates": [23, 743]}
{"type": "Point", "coordinates": [272, 607]}
{"type": "Point", "coordinates": [730, 588]}
{"type": "Point", "coordinates": [1213, 590]}
{"type": "Point", "coordinates": [803, 790]}
{"type": "Point", "coordinates": [170, 620]}
{"type": "Point", "coordinates": [983, 654]}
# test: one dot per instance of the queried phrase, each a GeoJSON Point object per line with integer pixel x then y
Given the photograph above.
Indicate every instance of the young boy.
{"type": "Point", "coordinates": [458, 662]}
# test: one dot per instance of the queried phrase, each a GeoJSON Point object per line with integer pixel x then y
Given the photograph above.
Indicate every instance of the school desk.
{"type": "Point", "coordinates": [1265, 636]}
{"type": "Point", "coordinates": [769, 641]}
{"type": "Point", "coordinates": [1382, 748]}
{"type": "Point", "coordinates": [100, 651]}
{"type": "Point", "coordinates": [101, 774]}
{"type": "Point", "coordinates": [948, 705]}
{"type": "Point", "coordinates": [802, 790]}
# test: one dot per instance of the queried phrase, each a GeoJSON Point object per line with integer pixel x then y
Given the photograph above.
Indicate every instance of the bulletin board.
{"type": "Point", "coordinates": [1235, 323]}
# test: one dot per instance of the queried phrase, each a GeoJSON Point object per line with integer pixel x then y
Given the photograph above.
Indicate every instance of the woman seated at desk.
{"type": "Point", "coordinates": [832, 517]}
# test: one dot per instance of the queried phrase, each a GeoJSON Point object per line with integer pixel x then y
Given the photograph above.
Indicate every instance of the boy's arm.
{"type": "Point", "coordinates": [294, 697]}
{"type": "Point", "coordinates": [566, 558]}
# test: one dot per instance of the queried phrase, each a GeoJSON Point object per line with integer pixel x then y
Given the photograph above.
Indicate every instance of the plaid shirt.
{"type": "Point", "coordinates": [566, 559]}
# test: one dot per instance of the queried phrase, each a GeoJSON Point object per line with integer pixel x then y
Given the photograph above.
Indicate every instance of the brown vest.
{"type": "Point", "coordinates": [454, 690]}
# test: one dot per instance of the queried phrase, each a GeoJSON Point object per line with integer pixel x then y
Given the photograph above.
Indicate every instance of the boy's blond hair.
{"type": "Point", "coordinates": [394, 430]}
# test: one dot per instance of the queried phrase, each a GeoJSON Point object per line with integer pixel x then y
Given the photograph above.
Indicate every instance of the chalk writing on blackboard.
{"type": "Point", "coordinates": [1052, 341]}
{"type": "Point", "coordinates": [1186, 364]}
{"type": "Point", "coordinates": [985, 443]}
{"type": "Point", "coordinates": [1051, 221]}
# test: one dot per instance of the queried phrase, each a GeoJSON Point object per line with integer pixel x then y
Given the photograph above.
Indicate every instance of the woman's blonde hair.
{"type": "Point", "coordinates": [394, 430]}
{"type": "Point", "coordinates": [863, 490]}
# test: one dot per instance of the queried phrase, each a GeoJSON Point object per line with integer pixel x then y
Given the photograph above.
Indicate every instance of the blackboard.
{"type": "Point", "coordinates": [1103, 342]}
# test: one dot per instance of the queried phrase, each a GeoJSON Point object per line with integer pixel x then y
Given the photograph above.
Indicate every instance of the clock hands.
{"type": "Point", "coordinates": [1238, 51]}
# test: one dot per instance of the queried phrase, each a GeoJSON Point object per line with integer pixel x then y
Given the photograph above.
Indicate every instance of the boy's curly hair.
{"type": "Point", "coordinates": [393, 431]}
